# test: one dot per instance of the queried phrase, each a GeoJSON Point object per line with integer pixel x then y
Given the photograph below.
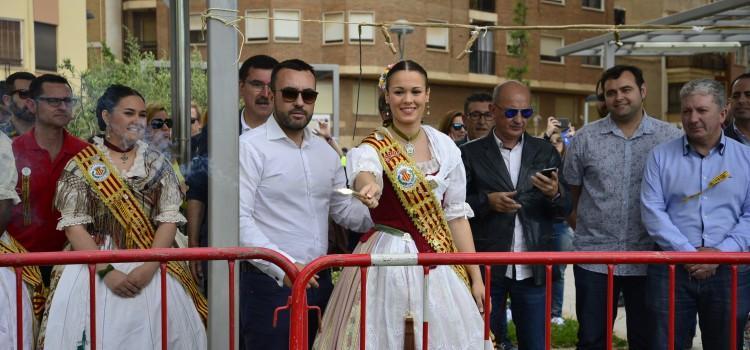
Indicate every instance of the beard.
{"type": "Point", "coordinates": [286, 121]}
{"type": "Point", "coordinates": [22, 113]}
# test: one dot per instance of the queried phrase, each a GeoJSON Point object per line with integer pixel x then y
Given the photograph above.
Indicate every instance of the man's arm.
{"type": "Point", "coordinates": [348, 211]}
{"type": "Point", "coordinates": [251, 168]}
{"type": "Point", "coordinates": [5, 208]}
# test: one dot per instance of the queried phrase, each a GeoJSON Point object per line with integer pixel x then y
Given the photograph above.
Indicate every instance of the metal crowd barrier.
{"type": "Point", "coordinates": [163, 255]}
{"type": "Point", "coordinates": [298, 339]}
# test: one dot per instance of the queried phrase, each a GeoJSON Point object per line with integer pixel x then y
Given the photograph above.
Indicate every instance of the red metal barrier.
{"type": "Point", "coordinates": [298, 322]}
{"type": "Point", "coordinates": [163, 255]}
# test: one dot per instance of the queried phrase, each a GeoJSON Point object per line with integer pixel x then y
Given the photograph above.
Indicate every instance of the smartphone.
{"type": "Point", "coordinates": [564, 123]}
{"type": "Point", "coordinates": [548, 172]}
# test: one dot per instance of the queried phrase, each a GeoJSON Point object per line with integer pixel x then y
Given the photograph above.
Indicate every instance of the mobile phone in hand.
{"type": "Point", "coordinates": [564, 123]}
{"type": "Point", "coordinates": [547, 172]}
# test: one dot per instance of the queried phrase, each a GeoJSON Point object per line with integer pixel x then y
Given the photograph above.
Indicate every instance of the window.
{"type": "Point", "coordinates": [144, 30]}
{"type": "Point", "coordinates": [437, 38]}
{"type": "Point", "coordinates": [333, 33]}
{"type": "Point", "coordinates": [286, 27]}
{"type": "Point", "coordinates": [367, 33]}
{"type": "Point", "coordinates": [594, 61]}
{"type": "Point", "coordinates": [592, 4]}
{"type": "Point", "coordinates": [557, 2]}
{"type": "Point", "coordinates": [368, 99]}
{"type": "Point", "coordinates": [256, 26]}
{"type": "Point", "coordinates": [482, 5]}
{"type": "Point", "coordinates": [45, 46]}
{"type": "Point", "coordinates": [196, 36]}
{"type": "Point", "coordinates": [10, 42]}
{"type": "Point", "coordinates": [548, 46]}
{"type": "Point", "coordinates": [674, 103]}
{"type": "Point", "coordinates": [482, 56]}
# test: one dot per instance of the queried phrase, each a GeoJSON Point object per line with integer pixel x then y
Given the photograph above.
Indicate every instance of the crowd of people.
{"type": "Point", "coordinates": [479, 182]}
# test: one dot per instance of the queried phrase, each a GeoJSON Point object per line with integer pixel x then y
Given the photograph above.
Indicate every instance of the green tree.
{"type": "Point", "coordinates": [139, 70]}
{"type": "Point", "coordinates": [519, 43]}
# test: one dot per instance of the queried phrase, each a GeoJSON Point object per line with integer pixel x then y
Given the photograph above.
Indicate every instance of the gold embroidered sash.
{"type": "Point", "coordinates": [30, 275]}
{"type": "Point", "coordinates": [104, 179]}
{"type": "Point", "coordinates": [415, 194]}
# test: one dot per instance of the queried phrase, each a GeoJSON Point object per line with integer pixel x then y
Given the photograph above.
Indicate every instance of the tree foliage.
{"type": "Point", "coordinates": [139, 70]}
{"type": "Point", "coordinates": [519, 43]}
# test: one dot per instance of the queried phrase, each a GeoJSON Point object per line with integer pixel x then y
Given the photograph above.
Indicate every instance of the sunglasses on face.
{"type": "Point", "coordinates": [511, 113]}
{"type": "Point", "coordinates": [158, 123]}
{"type": "Point", "coordinates": [290, 94]}
{"type": "Point", "coordinates": [457, 126]}
{"type": "Point", "coordinates": [22, 94]}
{"type": "Point", "coordinates": [193, 120]}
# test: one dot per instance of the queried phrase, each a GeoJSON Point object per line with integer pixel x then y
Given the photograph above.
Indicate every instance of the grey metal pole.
{"type": "Point", "coordinates": [223, 187]}
{"type": "Point", "coordinates": [180, 67]}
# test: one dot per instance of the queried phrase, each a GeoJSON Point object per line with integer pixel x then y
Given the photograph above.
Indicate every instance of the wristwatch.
{"type": "Point", "coordinates": [103, 272]}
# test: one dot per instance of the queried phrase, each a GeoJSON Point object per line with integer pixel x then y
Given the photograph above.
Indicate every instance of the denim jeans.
{"type": "Point", "coordinates": [527, 305]}
{"type": "Point", "coordinates": [709, 298]}
{"type": "Point", "coordinates": [591, 309]}
{"type": "Point", "coordinates": [562, 238]}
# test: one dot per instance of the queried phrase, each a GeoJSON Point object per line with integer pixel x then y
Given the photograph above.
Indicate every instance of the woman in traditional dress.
{"type": "Point", "coordinates": [31, 276]}
{"type": "Point", "coordinates": [422, 209]}
{"type": "Point", "coordinates": [121, 194]}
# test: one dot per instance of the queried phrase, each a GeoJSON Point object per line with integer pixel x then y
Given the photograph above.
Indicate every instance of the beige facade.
{"type": "Point", "coordinates": [37, 36]}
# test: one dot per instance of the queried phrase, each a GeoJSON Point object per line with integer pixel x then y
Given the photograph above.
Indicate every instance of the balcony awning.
{"type": "Point", "coordinates": [677, 42]}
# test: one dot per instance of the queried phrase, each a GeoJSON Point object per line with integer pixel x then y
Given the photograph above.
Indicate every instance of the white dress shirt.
{"type": "Point", "coordinates": [512, 159]}
{"type": "Point", "coordinates": [8, 172]}
{"type": "Point", "coordinates": [245, 127]}
{"type": "Point", "coordinates": [287, 194]}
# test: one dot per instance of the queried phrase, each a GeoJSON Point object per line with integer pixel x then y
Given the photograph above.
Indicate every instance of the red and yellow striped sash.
{"type": "Point", "coordinates": [415, 194]}
{"type": "Point", "coordinates": [105, 180]}
{"type": "Point", "coordinates": [30, 275]}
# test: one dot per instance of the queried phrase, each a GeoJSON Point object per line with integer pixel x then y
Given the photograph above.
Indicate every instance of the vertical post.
{"type": "Point", "coordinates": [426, 309]}
{"type": "Point", "coordinates": [548, 309]}
{"type": "Point", "coordinates": [487, 302]}
{"type": "Point", "coordinates": [610, 304]}
{"type": "Point", "coordinates": [223, 195]}
{"type": "Point", "coordinates": [113, 29]}
{"type": "Point", "coordinates": [733, 307]}
{"type": "Point", "coordinates": [179, 60]}
{"type": "Point", "coordinates": [164, 326]}
{"type": "Point", "coordinates": [92, 304]}
{"type": "Point", "coordinates": [362, 307]}
{"type": "Point", "coordinates": [670, 328]}
{"type": "Point", "coordinates": [609, 49]}
{"type": "Point", "coordinates": [231, 304]}
{"type": "Point", "coordinates": [19, 307]}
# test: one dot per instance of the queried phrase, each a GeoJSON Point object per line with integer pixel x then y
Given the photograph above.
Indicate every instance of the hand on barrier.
{"type": "Point", "coordinates": [313, 282]}
{"type": "Point", "coordinates": [503, 202]}
{"type": "Point", "coordinates": [118, 283]}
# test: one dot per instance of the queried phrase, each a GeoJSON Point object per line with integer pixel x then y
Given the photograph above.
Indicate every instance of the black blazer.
{"type": "Point", "coordinates": [486, 173]}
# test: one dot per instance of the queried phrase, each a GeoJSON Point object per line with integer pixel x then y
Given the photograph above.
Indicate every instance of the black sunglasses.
{"type": "Point", "coordinates": [457, 126]}
{"type": "Point", "coordinates": [290, 94]}
{"type": "Point", "coordinates": [511, 113]}
{"type": "Point", "coordinates": [158, 123]}
{"type": "Point", "coordinates": [23, 94]}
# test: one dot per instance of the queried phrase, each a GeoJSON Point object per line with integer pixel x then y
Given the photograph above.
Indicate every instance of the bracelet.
{"type": "Point", "coordinates": [103, 272]}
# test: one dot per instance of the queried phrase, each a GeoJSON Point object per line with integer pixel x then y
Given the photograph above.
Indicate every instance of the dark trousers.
{"type": "Point", "coordinates": [709, 298]}
{"type": "Point", "coordinates": [260, 295]}
{"type": "Point", "coordinates": [591, 309]}
{"type": "Point", "coordinates": [527, 302]}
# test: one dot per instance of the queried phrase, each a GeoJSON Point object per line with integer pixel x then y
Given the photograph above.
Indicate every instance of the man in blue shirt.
{"type": "Point", "coordinates": [695, 196]}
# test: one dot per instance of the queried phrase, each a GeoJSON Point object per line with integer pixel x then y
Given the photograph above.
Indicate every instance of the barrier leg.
{"type": "Point", "coordinates": [163, 268]}
{"type": "Point", "coordinates": [548, 310]}
{"type": "Point", "coordinates": [231, 304]}
{"type": "Point", "coordinates": [610, 297]}
{"type": "Point", "coordinates": [487, 301]}
{"type": "Point", "coordinates": [362, 306]}
{"type": "Point", "coordinates": [670, 334]}
{"type": "Point", "coordinates": [19, 308]}
{"type": "Point", "coordinates": [92, 304]}
{"type": "Point", "coordinates": [426, 308]}
{"type": "Point", "coordinates": [733, 313]}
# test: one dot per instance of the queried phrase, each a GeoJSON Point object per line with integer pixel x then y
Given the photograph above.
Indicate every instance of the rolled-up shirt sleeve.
{"type": "Point", "coordinates": [8, 172]}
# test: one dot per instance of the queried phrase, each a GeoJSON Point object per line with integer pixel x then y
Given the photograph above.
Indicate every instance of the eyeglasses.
{"type": "Point", "coordinates": [476, 115]}
{"type": "Point", "coordinates": [22, 94]}
{"type": "Point", "coordinates": [158, 123]}
{"type": "Point", "coordinates": [511, 113]}
{"type": "Point", "coordinates": [290, 94]}
{"type": "Point", "coordinates": [257, 85]}
{"type": "Point", "coordinates": [457, 126]}
{"type": "Point", "coordinates": [70, 102]}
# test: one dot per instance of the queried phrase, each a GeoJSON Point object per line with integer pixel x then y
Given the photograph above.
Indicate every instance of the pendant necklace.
{"type": "Point", "coordinates": [123, 152]}
{"type": "Point", "coordinates": [409, 146]}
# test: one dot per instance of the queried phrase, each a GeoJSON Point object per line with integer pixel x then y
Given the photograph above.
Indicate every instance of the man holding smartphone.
{"type": "Point", "coordinates": [513, 187]}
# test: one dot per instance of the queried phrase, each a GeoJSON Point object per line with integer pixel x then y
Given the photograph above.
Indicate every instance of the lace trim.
{"type": "Point", "coordinates": [458, 210]}
{"type": "Point", "coordinates": [72, 221]}
{"type": "Point", "coordinates": [170, 217]}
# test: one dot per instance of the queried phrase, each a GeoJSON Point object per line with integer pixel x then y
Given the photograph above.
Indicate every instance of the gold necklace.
{"type": "Point", "coordinates": [409, 146]}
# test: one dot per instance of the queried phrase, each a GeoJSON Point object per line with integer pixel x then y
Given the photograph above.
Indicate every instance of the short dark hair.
{"type": "Point", "coordinates": [476, 97]}
{"type": "Point", "coordinates": [258, 62]}
{"type": "Point", "coordinates": [110, 98]}
{"type": "Point", "coordinates": [294, 64]}
{"type": "Point", "coordinates": [615, 73]}
{"type": "Point", "coordinates": [738, 78]}
{"type": "Point", "coordinates": [10, 81]}
{"type": "Point", "coordinates": [35, 88]}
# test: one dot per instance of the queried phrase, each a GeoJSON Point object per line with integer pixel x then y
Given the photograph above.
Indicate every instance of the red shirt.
{"type": "Point", "coordinates": [40, 235]}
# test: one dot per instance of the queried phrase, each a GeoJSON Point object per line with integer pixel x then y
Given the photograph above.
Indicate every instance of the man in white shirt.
{"type": "Point", "coordinates": [288, 179]}
{"type": "Point", "coordinates": [515, 204]}
{"type": "Point", "coordinates": [255, 75]}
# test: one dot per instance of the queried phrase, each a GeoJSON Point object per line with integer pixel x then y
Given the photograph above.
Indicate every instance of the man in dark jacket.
{"type": "Point", "coordinates": [515, 204]}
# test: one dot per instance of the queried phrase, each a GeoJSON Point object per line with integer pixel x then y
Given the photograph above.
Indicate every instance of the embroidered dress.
{"type": "Point", "coordinates": [122, 323]}
{"type": "Point", "coordinates": [394, 292]}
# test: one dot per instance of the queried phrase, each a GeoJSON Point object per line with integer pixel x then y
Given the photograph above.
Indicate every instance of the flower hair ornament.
{"type": "Point", "coordinates": [381, 81]}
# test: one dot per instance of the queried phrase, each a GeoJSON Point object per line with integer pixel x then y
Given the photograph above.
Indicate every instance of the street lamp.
{"type": "Point", "coordinates": [401, 27]}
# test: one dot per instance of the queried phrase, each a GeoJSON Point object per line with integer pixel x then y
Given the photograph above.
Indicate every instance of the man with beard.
{"type": "Point", "coordinates": [14, 100]}
{"type": "Point", "coordinates": [739, 110]}
{"type": "Point", "coordinates": [288, 179]}
{"type": "Point", "coordinates": [604, 168]}
{"type": "Point", "coordinates": [41, 154]}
